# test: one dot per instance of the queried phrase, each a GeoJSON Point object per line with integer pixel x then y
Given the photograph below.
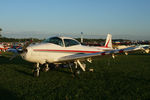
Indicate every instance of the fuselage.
{"type": "Point", "coordinates": [57, 47]}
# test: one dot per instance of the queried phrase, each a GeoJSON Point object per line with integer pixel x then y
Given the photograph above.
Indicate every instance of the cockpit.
{"type": "Point", "coordinates": [62, 41]}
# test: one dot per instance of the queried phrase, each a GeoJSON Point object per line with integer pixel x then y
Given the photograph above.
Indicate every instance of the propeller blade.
{"type": "Point", "coordinates": [27, 44]}
{"type": "Point", "coordinates": [14, 56]}
{"type": "Point", "coordinates": [12, 50]}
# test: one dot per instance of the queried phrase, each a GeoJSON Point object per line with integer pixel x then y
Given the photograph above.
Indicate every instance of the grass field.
{"type": "Point", "coordinates": [125, 78]}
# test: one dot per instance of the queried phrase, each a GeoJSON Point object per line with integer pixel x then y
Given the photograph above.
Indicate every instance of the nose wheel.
{"type": "Point", "coordinates": [36, 71]}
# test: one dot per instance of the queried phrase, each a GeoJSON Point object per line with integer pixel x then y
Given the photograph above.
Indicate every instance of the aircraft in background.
{"type": "Point", "coordinates": [67, 51]}
{"type": "Point", "coordinates": [2, 48]}
{"type": "Point", "coordinates": [127, 46]}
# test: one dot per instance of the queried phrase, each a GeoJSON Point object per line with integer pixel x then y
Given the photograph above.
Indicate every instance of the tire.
{"type": "Point", "coordinates": [36, 73]}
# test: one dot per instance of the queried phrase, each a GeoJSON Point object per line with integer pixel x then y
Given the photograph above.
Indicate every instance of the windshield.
{"type": "Point", "coordinates": [70, 42]}
{"type": "Point", "coordinates": [54, 40]}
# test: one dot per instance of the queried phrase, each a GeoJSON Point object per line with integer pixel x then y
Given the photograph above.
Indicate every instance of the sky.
{"type": "Point", "coordinates": [128, 19]}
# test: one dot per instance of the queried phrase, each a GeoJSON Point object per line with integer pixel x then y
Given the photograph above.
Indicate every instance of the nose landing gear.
{"type": "Point", "coordinates": [36, 71]}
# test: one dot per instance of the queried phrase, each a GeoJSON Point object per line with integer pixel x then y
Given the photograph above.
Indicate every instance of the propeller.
{"type": "Point", "coordinates": [14, 56]}
{"type": "Point", "coordinates": [20, 50]}
{"type": "Point", "coordinates": [27, 44]}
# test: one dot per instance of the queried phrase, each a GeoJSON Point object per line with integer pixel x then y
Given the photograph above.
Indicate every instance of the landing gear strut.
{"type": "Point", "coordinates": [73, 70]}
{"type": "Point", "coordinates": [36, 71]}
{"type": "Point", "coordinates": [82, 65]}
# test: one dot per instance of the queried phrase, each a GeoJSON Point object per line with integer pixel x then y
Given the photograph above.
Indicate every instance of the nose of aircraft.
{"type": "Point", "coordinates": [24, 53]}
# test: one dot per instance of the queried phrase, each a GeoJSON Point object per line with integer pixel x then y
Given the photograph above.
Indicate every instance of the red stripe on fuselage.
{"type": "Point", "coordinates": [79, 51]}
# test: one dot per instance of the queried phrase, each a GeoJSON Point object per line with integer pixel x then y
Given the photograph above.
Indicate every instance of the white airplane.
{"type": "Point", "coordinates": [126, 53]}
{"type": "Point", "coordinates": [67, 51]}
{"type": "Point", "coordinates": [1, 47]}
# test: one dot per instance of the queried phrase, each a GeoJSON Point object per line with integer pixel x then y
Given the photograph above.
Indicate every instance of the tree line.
{"type": "Point", "coordinates": [4, 39]}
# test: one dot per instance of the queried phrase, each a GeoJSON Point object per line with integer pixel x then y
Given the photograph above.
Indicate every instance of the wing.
{"type": "Point", "coordinates": [90, 55]}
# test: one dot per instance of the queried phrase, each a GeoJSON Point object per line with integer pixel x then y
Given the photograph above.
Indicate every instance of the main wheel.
{"type": "Point", "coordinates": [45, 69]}
{"type": "Point", "coordinates": [36, 73]}
{"type": "Point", "coordinates": [77, 72]}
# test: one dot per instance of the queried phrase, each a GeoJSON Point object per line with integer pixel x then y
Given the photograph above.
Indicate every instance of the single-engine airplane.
{"type": "Point", "coordinates": [3, 48]}
{"type": "Point", "coordinates": [68, 51]}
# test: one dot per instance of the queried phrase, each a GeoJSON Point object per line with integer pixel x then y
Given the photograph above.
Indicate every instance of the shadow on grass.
{"type": "Point", "coordinates": [7, 95]}
{"type": "Point", "coordinates": [138, 79]}
{"type": "Point", "coordinates": [18, 61]}
{"type": "Point", "coordinates": [4, 60]}
{"type": "Point", "coordinates": [23, 72]}
{"type": "Point", "coordinates": [63, 70]}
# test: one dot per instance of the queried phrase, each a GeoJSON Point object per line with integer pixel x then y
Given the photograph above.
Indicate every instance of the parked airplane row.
{"type": "Point", "coordinates": [67, 51]}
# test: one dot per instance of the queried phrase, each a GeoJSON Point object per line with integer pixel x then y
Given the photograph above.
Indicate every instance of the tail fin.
{"type": "Point", "coordinates": [108, 42]}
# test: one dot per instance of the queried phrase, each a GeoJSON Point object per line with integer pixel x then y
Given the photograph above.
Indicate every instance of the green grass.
{"type": "Point", "coordinates": [125, 78]}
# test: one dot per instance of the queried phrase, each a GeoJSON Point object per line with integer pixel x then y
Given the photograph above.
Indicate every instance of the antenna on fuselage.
{"type": "Point", "coordinates": [81, 37]}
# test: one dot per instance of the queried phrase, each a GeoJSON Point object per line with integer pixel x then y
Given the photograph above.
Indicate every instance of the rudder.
{"type": "Point", "coordinates": [108, 42]}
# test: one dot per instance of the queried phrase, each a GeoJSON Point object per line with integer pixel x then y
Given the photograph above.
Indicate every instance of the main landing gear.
{"type": "Point", "coordinates": [36, 70]}
{"type": "Point", "coordinates": [46, 68]}
{"type": "Point", "coordinates": [74, 67]}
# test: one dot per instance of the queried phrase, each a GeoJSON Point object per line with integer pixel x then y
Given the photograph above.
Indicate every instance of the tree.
{"type": "Point", "coordinates": [0, 32]}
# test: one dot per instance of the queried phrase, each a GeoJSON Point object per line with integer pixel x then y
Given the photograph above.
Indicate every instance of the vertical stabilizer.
{"type": "Point", "coordinates": [108, 42]}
